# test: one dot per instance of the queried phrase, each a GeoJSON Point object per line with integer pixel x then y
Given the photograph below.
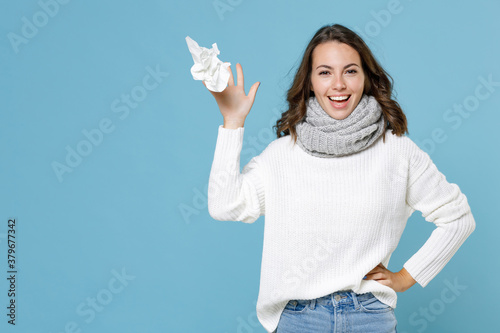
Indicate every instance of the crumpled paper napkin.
{"type": "Point", "coordinates": [208, 67]}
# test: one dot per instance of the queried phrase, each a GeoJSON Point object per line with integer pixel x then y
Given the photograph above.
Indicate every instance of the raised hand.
{"type": "Point", "coordinates": [233, 103]}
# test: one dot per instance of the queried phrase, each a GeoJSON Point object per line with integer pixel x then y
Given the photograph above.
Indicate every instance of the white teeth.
{"type": "Point", "coordinates": [340, 98]}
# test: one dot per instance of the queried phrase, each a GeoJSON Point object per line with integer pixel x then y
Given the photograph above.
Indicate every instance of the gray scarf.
{"type": "Point", "coordinates": [321, 135]}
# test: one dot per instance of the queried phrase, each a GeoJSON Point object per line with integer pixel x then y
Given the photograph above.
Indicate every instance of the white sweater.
{"type": "Point", "coordinates": [329, 221]}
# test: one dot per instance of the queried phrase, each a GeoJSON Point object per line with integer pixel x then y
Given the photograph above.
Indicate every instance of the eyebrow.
{"type": "Point", "coordinates": [329, 67]}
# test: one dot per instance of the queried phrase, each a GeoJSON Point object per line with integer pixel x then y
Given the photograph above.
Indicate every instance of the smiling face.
{"type": "Point", "coordinates": [337, 78]}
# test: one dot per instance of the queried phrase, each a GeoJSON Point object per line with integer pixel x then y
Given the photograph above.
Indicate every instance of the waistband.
{"type": "Point", "coordinates": [336, 298]}
{"type": "Point", "coordinates": [345, 294]}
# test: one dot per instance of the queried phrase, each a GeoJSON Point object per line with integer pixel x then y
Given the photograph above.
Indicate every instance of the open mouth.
{"type": "Point", "coordinates": [339, 99]}
{"type": "Point", "coordinates": [339, 102]}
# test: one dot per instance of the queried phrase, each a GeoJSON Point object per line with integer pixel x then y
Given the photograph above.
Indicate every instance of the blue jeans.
{"type": "Point", "coordinates": [339, 312]}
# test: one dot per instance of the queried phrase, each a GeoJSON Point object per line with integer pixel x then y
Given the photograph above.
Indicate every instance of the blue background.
{"type": "Point", "coordinates": [120, 209]}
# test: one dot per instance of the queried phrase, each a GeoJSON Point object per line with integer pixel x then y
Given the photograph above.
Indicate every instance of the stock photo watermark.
{"type": "Point", "coordinates": [296, 275]}
{"type": "Point", "coordinates": [248, 323]}
{"type": "Point", "coordinates": [291, 280]}
{"type": "Point", "coordinates": [31, 26]}
{"type": "Point", "coordinates": [94, 137]}
{"type": "Point", "coordinates": [381, 19]}
{"type": "Point", "coordinates": [12, 269]}
{"type": "Point", "coordinates": [421, 319]}
{"type": "Point", "coordinates": [87, 310]}
{"type": "Point", "coordinates": [459, 111]}
{"type": "Point", "coordinates": [223, 6]}
{"type": "Point", "coordinates": [252, 145]}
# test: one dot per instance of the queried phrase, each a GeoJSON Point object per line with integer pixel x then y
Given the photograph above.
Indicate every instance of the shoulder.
{"type": "Point", "coordinates": [403, 144]}
{"type": "Point", "coordinates": [412, 160]}
{"type": "Point", "coordinates": [417, 159]}
{"type": "Point", "coordinates": [282, 144]}
{"type": "Point", "coordinates": [276, 148]}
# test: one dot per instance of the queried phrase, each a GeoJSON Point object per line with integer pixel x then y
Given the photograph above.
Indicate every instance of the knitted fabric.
{"type": "Point", "coordinates": [324, 136]}
{"type": "Point", "coordinates": [329, 221]}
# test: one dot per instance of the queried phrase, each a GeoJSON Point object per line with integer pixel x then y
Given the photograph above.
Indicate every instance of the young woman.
{"type": "Point", "coordinates": [336, 188]}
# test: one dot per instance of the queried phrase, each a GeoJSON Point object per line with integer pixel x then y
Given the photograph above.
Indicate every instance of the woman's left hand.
{"type": "Point", "coordinates": [399, 281]}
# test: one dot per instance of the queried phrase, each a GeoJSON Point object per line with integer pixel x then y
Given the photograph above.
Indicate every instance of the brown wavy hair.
{"type": "Point", "coordinates": [378, 83]}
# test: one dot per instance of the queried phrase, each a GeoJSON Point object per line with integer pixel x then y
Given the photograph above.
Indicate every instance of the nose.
{"type": "Point", "coordinates": [338, 82]}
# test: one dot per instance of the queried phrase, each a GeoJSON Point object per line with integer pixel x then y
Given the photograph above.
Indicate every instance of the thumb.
{"type": "Point", "coordinates": [253, 90]}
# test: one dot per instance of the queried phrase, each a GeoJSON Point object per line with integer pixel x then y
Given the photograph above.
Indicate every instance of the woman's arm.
{"type": "Point", "coordinates": [443, 204]}
{"type": "Point", "coordinates": [233, 195]}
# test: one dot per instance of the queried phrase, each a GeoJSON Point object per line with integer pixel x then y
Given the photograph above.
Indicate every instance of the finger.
{"type": "Point", "coordinates": [231, 79]}
{"type": "Point", "coordinates": [239, 73]}
{"type": "Point", "coordinates": [381, 265]}
{"type": "Point", "coordinates": [253, 90]}
{"type": "Point", "coordinates": [385, 282]}
{"type": "Point", "coordinates": [375, 276]}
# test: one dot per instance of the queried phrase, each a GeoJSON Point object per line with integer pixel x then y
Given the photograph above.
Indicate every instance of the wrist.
{"type": "Point", "coordinates": [407, 279]}
{"type": "Point", "coordinates": [233, 124]}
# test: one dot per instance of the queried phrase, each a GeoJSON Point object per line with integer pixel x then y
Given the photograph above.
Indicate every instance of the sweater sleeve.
{"type": "Point", "coordinates": [443, 204]}
{"type": "Point", "coordinates": [234, 196]}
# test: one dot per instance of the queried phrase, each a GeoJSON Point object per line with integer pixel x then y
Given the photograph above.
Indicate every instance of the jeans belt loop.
{"type": "Point", "coordinates": [355, 300]}
{"type": "Point", "coordinates": [313, 304]}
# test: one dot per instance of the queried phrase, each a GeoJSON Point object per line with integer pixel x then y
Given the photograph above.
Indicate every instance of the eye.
{"type": "Point", "coordinates": [351, 71]}
{"type": "Point", "coordinates": [325, 72]}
